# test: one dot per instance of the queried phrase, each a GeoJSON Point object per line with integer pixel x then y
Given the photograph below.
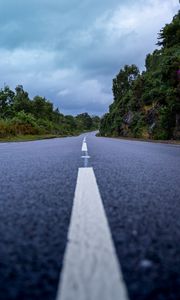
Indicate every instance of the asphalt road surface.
{"type": "Point", "coordinates": [139, 184]}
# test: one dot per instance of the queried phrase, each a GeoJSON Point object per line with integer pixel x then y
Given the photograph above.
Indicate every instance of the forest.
{"type": "Point", "coordinates": [147, 104]}
{"type": "Point", "coordinates": [21, 116]}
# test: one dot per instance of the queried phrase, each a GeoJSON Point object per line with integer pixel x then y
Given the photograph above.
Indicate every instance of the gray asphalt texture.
{"type": "Point", "coordinates": [36, 194]}
{"type": "Point", "coordinates": [140, 187]}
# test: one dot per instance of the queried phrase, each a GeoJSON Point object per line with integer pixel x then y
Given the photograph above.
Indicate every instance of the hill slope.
{"type": "Point", "coordinates": [147, 104]}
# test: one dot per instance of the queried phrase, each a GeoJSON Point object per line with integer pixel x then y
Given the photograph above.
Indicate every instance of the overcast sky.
{"type": "Point", "coordinates": [69, 50]}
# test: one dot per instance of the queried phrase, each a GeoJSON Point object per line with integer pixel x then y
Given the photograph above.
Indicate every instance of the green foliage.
{"type": "Point", "coordinates": [24, 118]}
{"type": "Point", "coordinates": [6, 102]}
{"type": "Point", "coordinates": [124, 81]}
{"type": "Point", "coordinates": [21, 101]}
{"type": "Point", "coordinates": [19, 115]}
{"type": "Point", "coordinates": [169, 36]}
{"type": "Point", "coordinates": [148, 104]}
{"type": "Point", "coordinates": [5, 128]}
{"type": "Point", "coordinates": [140, 126]}
{"type": "Point", "coordinates": [95, 122]}
{"type": "Point", "coordinates": [106, 125]}
{"type": "Point", "coordinates": [84, 121]}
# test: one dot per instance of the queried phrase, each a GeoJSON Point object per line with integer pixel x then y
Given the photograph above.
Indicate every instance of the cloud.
{"type": "Point", "coordinates": [89, 96]}
{"type": "Point", "coordinates": [126, 34]}
{"type": "Point", "coordinates": [69, 51]}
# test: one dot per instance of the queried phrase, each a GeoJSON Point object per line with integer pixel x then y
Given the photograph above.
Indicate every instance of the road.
{"type": "Point", "coordinates": [139, 185]}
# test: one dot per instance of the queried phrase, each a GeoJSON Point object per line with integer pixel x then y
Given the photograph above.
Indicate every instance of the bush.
{"type": "Point", "coordinates": [5, 128]}
{"type": "Point", "coordinates": [24, 123]}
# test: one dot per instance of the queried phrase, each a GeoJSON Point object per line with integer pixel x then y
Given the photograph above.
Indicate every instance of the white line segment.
{"type": "Point", "coordinates": [85, 156]}
{"type": "Point", "coordinates": [91, 270]}
{"type": "Point", "coordinates": [84, 147]}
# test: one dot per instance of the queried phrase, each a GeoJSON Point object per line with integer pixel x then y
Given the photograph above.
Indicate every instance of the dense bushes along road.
{"type": "Point", "coordinates": [147, 104]}
{"type": "Point", "coordinates": [19, 116]}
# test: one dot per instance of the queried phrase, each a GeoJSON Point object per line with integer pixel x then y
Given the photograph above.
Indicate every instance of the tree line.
{"type": "Point", "coordinates": [147, 104]}
{"type": "Point", "coordinates": [20, 115]}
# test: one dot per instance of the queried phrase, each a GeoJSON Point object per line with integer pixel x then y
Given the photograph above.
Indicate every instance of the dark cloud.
{"type": "Point", "coordinates": [69, 51]}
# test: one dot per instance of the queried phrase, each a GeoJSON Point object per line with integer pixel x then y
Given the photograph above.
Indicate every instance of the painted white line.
{"type": "Point", "coordinates": [84, 147]}
{"type": "Point", "coordinates": [90, 270]}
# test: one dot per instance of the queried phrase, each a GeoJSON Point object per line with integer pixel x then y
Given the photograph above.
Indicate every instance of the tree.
{"type": "Point", "coordinates": [148, 104]}
{"type": "Point", "coordinates": [70, 122]}
{"type": "Point", "coordinates": [170, 35]}
{"type": "Point", "coordinates": [124, 80]}
{"type": "Point", "coordinates": [84, 121]}
{"type": "Point", "coordinates": [42, 108]}
{"type": "Point", "coordinates": [6, 102]}
{"type": "Point", "coordinates": [21, 115]}
{"type": "Point", "coordinates": [95, 122]}
{"type": "Point", "coordinates": [21, 100]}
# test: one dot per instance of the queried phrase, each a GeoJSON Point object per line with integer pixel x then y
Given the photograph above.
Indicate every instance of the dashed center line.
{"type": "Point", "coordinates": [85, 150]}
{"type": "Point", "coordinates": [84, 146]}
{"type": "Point", "coordinates": [90, 270]}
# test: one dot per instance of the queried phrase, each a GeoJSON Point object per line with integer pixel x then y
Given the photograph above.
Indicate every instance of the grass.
{"type": "Point", "coordinates": [25, 138]}
{"type": "Point", "coordinates": [35, 137]}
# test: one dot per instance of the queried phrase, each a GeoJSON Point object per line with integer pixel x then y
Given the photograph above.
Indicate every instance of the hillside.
{"type": "Point", "coordinates": [147, 104]}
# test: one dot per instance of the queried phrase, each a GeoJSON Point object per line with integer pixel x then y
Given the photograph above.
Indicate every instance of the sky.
{"type": "Point", "coordinates": [70, 50]}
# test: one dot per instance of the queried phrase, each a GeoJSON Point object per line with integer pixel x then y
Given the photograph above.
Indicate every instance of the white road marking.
{"type": "Point", "coordinates": [85, 156]}
{"type": "Point", "coordinates": [84, 147]}
{"type": "Point", "coordinates": [85, 150]}
{"type": "Point", "coordinates": [91, 270]}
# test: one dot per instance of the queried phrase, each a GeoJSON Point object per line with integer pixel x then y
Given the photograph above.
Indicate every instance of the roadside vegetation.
{"type": "Point", "coordinates": [147, 105]}
{"type": "Point", "coordinates": [24, 119]}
